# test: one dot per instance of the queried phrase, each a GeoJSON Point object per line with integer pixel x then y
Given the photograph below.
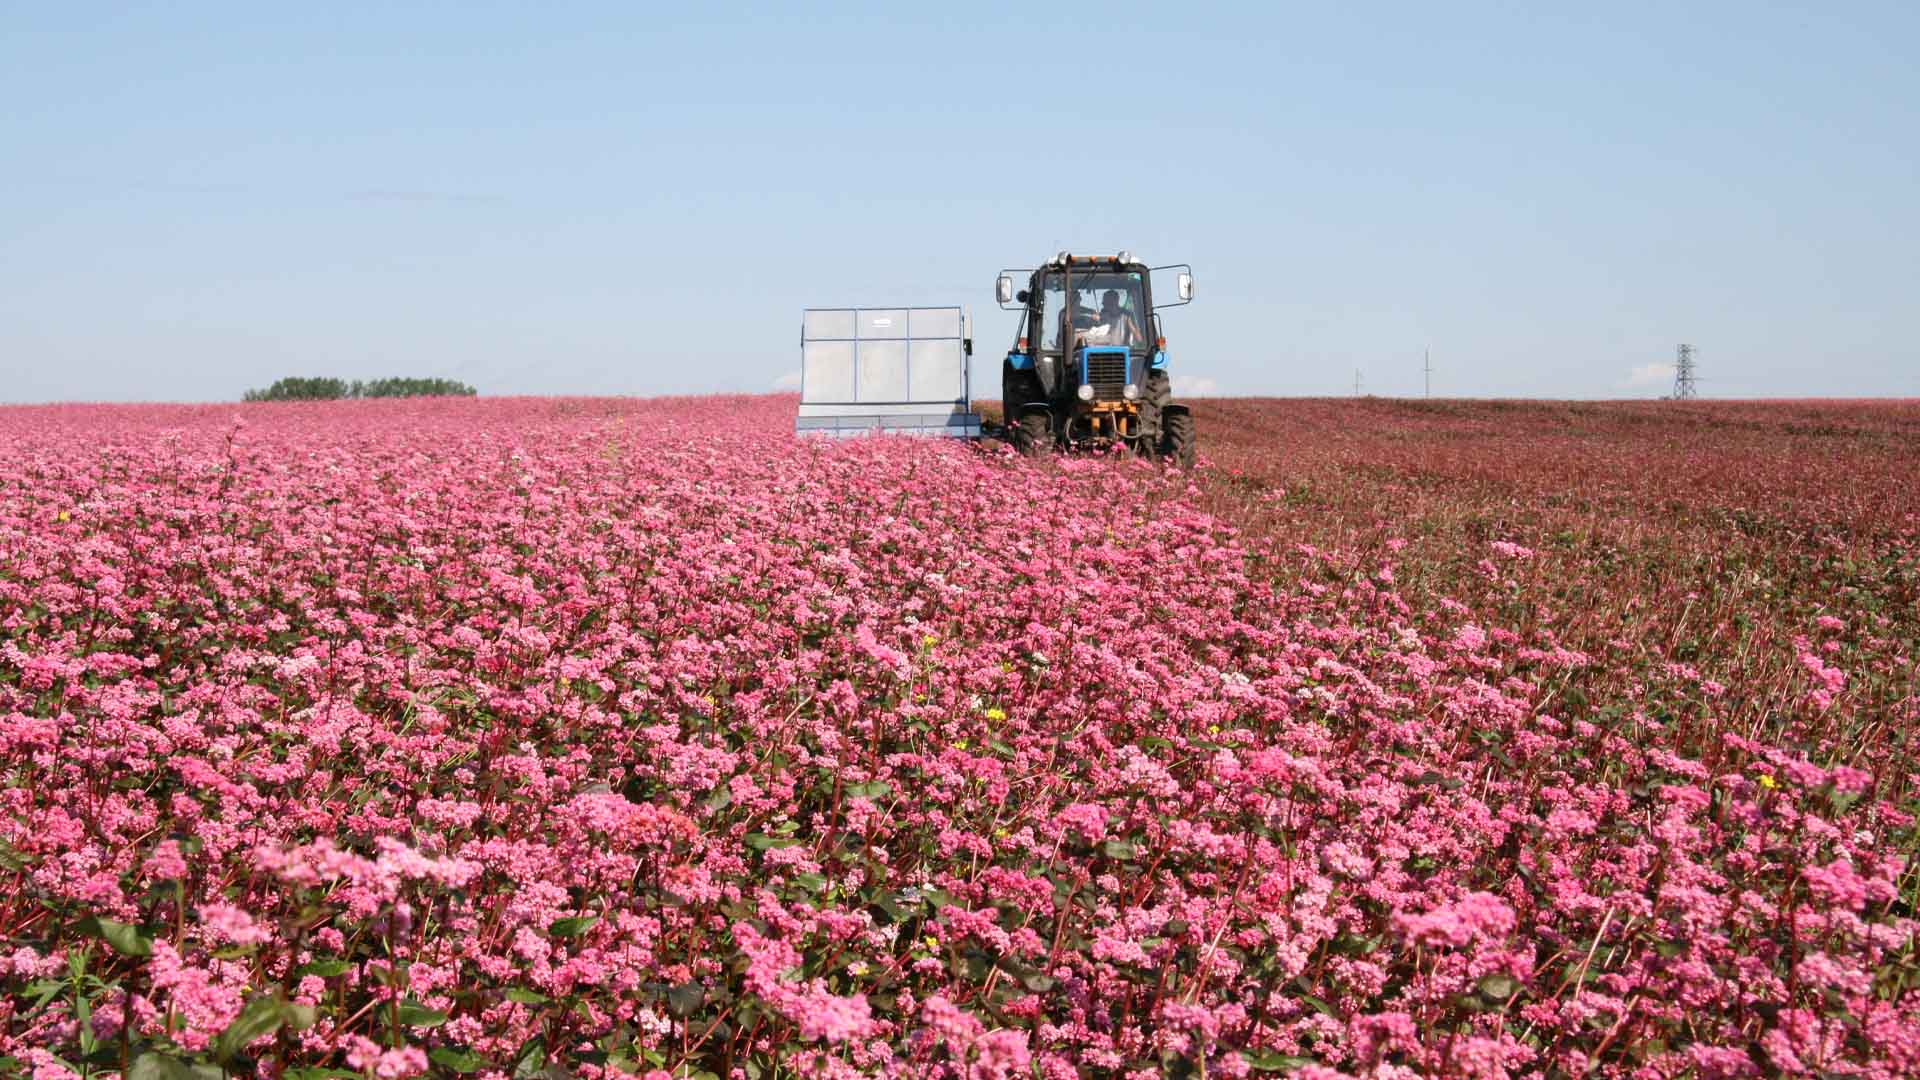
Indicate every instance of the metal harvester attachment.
{"type": "Point", "coordinates": [901, 371]}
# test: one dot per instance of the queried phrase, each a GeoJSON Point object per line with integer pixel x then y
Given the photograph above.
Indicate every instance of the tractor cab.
{"type": "Point", "coordinates": [1088, 366]}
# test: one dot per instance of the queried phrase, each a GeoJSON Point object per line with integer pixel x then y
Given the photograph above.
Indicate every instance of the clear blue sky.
{"type": "Point", "coordinates": [631, 199]}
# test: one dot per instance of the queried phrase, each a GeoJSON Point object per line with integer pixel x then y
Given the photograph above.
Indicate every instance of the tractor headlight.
{"type": "Point", "coordinates": [1131, 392]}
{"type": "Point", "coordinates": [1086, 392]}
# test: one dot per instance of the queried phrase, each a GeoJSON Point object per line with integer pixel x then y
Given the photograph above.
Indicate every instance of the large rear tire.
{"type": "Point", "coordinates": [1018, 389]}
{"type": "Point", "coordinates": [1034, 435]}
{"type": "Point", "coordinates": [1177, 439]}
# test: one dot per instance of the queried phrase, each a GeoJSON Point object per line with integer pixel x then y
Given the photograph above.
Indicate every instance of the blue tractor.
{"type": "Point", "coordinates": [1088, 367]}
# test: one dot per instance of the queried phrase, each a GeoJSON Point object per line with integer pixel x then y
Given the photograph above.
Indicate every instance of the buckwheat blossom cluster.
{"type": "Point", "coordinates": [593, 738]}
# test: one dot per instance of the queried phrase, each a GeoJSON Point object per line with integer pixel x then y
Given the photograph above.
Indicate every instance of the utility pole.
{"type": "Point", "coordinates": [1684, 388]}
{"type": "Point", "coordinates": [1427, 367]}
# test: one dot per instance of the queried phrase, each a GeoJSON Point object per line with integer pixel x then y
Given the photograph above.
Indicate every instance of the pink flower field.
{"type": "Point", "coordinates": [583, 738]}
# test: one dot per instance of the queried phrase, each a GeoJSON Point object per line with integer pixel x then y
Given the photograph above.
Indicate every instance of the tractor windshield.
{"type": "Point", "coordinates": [1107, 309]}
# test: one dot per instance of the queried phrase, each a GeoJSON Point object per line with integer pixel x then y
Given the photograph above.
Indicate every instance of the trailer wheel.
{"type": "Point", "coordinates": [1034, 436]}
{"type": "Point", "coordinates": [1177, 439]}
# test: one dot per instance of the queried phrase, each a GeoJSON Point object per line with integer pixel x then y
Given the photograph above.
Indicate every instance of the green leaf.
{"type": "Point", "coordinates": [1354, 945]}
{"type": "Point", "coordinates": [810, 881]}
{"type": "Point", "coordinates": [44, 991]}
{"type": "Point", "coordinates": [1498, 987]}
{"type": "Point", "coordinates": [83, 1021]}
{"type": "Point", "coordinates": [458, 1059]}
{"type": "Point", "coordinates": [326, 969]}
{"type": "Point", "coordinates": [414, 1014]}
{"type": "Point", "coordinates": [155, 1066]}
{"type": "Point", "coordinates": [883, 899]}
{"type": "Point", "coordinates": [763, 842]}
{"type": "Point", "coordinates": [261, 1016]}
{"type": "Point", "coordinates": [1472, 1003]}
{"type": "Point", "coordinates": [1030, 977]}
{"type": "Point", "coordinates": [314, 1072]}
{"type": "Point", "coordinates": [572, 927]}
{"type": "Point", "coordinates": [1275, 1061]}
{"type": "Point", "coordinates": [721, 798]}
{"type": "Point", "coordinates": [532, 1056]}
{"type": "Point", "coordinates": [1318, 1005]}
{"type": "Point", "coordinates": [126, 939]}
{"type": "Point", "coordinates": [684, 1000]}
{"type": "Point", "coordinates": [527, 997]}
{"type": "Point", "coordinates": [872, 789]}
{"type": "Point", "coordinates": [1118, 849]}
{"type": "Point", "coordinates": [298, 1016]}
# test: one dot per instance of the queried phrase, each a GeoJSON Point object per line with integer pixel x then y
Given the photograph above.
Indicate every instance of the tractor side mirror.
{"type": "Point", "coordinates": [1003, 289]}
{"type": "Point", "coordinates": [1023, 296]}
{"type": "Point", "coordinates": [1185, 286]}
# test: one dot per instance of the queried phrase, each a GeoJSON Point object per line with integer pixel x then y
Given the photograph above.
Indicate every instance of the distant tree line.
{"type": "Point", "coordinates": [330, 389]}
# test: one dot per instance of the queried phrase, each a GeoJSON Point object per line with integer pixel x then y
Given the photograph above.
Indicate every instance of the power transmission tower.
{"type": "Point", "coordinates": [1426, 357]}
{"type": "Point", "coordinates": [1683, 376]}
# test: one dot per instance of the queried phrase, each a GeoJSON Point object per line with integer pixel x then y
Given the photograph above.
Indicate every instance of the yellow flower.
{"type": "Point", "coordinates": [62, 516]}
{"type": "Point", "coordinates": [996, 713]}
{"type": "Point", "coordinates": [960, 743]}
{"type": "Point", "coordinates": [1767, 781]}
{"type": "Point", "coordinates": [930, 640]}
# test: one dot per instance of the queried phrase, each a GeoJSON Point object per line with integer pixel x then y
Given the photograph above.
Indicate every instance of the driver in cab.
{"type": "Point", "coordinates": [1121, 329]}
{"type": "Point", "coordinates": [1114, 325]}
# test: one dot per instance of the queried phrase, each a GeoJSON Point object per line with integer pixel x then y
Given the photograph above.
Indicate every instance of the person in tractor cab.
{"type": "Point", "coordinates": [1120, 324]}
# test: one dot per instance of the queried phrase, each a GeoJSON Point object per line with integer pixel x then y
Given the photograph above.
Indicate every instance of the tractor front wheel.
{"type": "Point", "coordinates": [1177, 439]}
{"type": "Point", "coordinates": [1159, 393]}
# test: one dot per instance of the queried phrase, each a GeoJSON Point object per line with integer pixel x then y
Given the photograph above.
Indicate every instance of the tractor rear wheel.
{"type": "Point", "coordinates": [1177, 439]}
{"type": "Point", "coordinates": [1034, 436]}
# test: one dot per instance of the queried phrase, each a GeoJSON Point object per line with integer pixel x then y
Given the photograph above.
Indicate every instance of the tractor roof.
{"type": "Point", "coordinates": [1067, 258]}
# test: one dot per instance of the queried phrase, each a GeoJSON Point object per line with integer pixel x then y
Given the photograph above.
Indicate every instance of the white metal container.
{"type": "Point", "coordinates": [897, 370]}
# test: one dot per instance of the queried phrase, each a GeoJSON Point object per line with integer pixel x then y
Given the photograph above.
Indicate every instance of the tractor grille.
{"type": "Point", "coordinates": [1107, 374]}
